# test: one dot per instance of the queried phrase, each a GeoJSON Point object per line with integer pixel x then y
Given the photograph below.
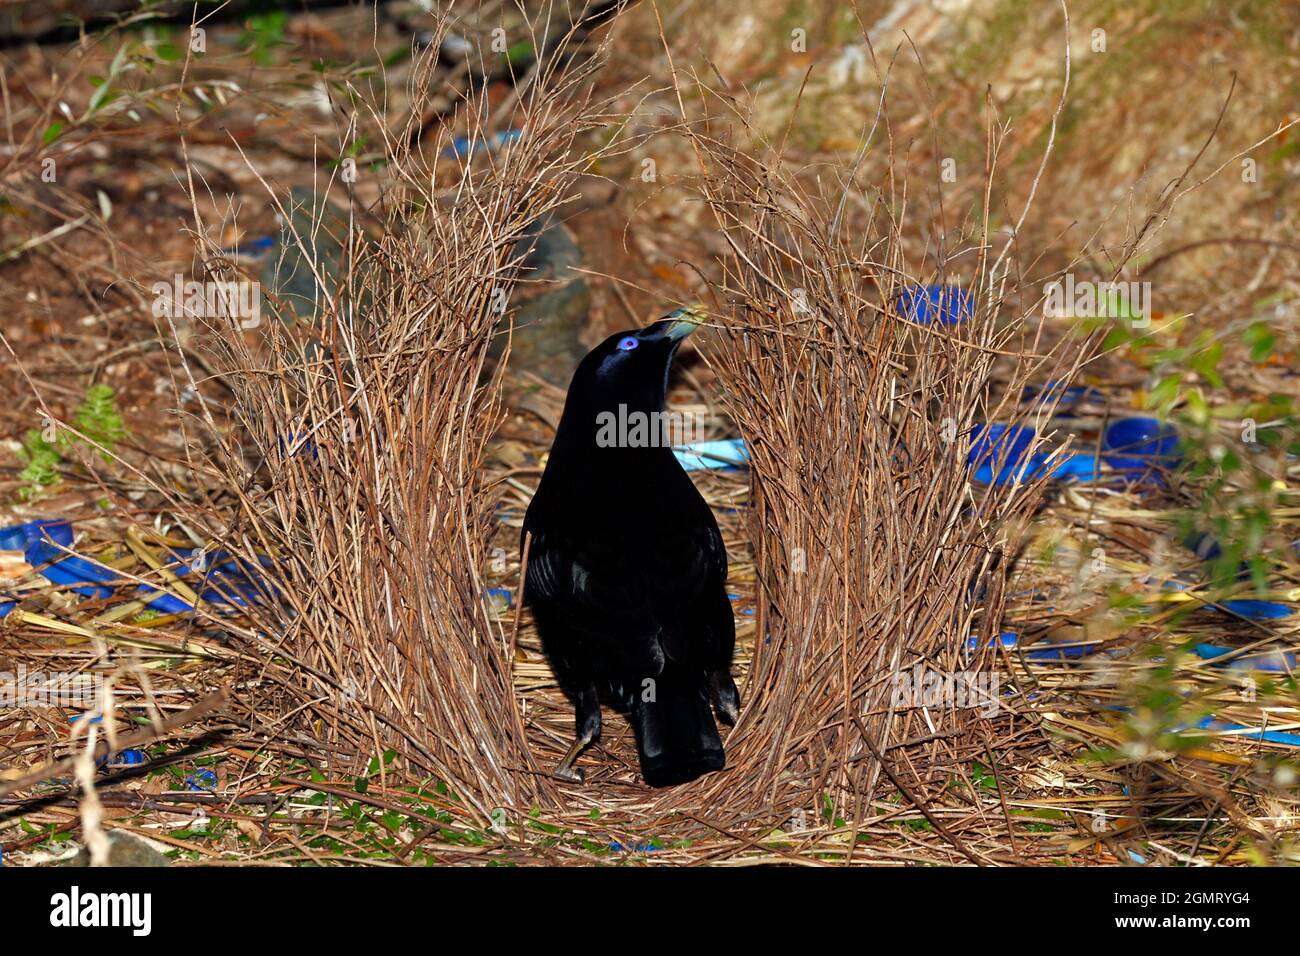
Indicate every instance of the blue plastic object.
{"type": "Point", "coordinates": [128, 758]}
{"type": "Point", "coordinates": [1277, 662]}
{"type": "Point", "coordinates": [1066, 397]}
{"type": "Point", "coordinates": [464, 146]}
{"type": "Point", "coordinates": [252, 250]}
{"type": "Point", "coordinates": [1251, 608]}
{"type": "Point", "coordinates": [733, 598]}
{"type": "Point", "coordinates": [290, 445]}
{"type": "Point", "coordinates": [724, 455]}
{"type": "Point", "coordinates": [999, 452]}
{"type": "Point", "coordinates": [633, 847]}
{"type": "Point", "coordinates": [1269, 736]}
{"type": "Point", "coordinates": [1044, 652]}
{"type": "Point", "coordinates": [1137, 445]}
{"type": "Point", "coordinates": [1006, 638]}
{"type": "Point", "coordinates": [71, 569]}
{"type": "Point", "coordinates": [22, 536]}
{"type": "Point", "coordinates": [945, 304]}
{"type": "Point", "coordinates": [225, 582]}
{"type": "Point", "coordinates": [203, 779]}
{"type": "Point", "coordinates": [1257, 610]}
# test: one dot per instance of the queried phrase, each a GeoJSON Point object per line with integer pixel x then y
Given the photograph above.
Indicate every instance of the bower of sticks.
{"type": "Point", "coordinates": [332, 493]}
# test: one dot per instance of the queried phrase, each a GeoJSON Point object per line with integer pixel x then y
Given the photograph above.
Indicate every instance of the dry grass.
{"type": "Point", "coordinates": [367, 430]}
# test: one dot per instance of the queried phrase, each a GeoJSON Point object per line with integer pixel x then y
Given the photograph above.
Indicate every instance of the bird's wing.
{"type": "Point", "coordinates": [588, 582]}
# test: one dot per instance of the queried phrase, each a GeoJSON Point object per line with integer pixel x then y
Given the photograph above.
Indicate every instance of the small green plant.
{"type": "Point", "coordinates": [42, 464]}
{"type": "Point", "coordinates": [97, 418]}
{"type": "Point", "coordinates": [263, 33]}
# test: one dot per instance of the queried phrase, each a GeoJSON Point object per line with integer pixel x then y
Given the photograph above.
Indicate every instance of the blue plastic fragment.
{"type": "Point", "coordinates": [502, 596]}
{"type": "Point", "coordinates": [1077, 465]}
{"type": "Point", "coordinates": [202, 779]}
{"type": "Point", "coordinates": [1137, 445]}
{"type": "Point", "coordinates": [1257, 610]}
{"type": "Point", "coordinates": [165, 603]}
{"type": "Point", "coordinates": [253, 249]}
{"type": "Point", "coordinates": [227, 583]}
{"type": "Point", "coordinates": [725, 455]}
{"type": "Point", "coordinates": [1039, 652]}
{"type": "Point", "coordinates": [1066, 396]}
{"type": "Point", "coordinates": [463, 147]}
{"type": "Point", "coordinates": [1061, 653]}
{"type": "Point", "coordinates": [289, 444]}
{"type": "Point", "coordinates": [1251, 608]}
{"type": "Point", "coordinates": [47, 539]}
{"type": "Point", "coordinates": [1278, 662]}
{"type": "Point", "coordinates": [1000, 452]}
{"type": "Point", "coordinates": [19, 537]}
{"type": "Point", "coordinates": [945, 304]}
{"type": "Point", "coordinates": [1252, 733]}
{"type": "Point", "coordinates": [71, 569]}
{"type": "Point", "coordinates": [128, 758]}
{"type": "Point", "coordinates": [1006, 638]}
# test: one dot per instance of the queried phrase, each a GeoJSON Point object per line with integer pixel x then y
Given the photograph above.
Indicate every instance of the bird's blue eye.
{"type": "Point", "coordinates": [627, 344]}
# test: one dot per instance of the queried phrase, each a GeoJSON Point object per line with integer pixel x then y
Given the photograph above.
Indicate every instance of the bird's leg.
{"type": "Point", "coordinates": [725, 697]}
{"type": "Point", "coordinates": [587, 729]}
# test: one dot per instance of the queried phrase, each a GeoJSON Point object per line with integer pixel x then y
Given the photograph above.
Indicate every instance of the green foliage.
{"type": "Point", "coordinates": [1222, 444]}
{"type": "Point", "coordinates": [97, 418]}
{"type": "Point", "coordinates": [42, 463]}
{"type": "Point", "coordinates": [263, 32]}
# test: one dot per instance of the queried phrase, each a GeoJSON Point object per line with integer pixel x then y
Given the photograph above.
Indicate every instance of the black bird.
{"type": "Point", "coordinates": [626, 567]}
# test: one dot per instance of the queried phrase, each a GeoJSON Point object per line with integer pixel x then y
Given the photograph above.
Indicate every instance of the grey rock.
{"type": "Point", "coordinates": [550, 319]}
{"type": "Point", "coordinates": [124, 849]}
{"type": "Point", "coordinates": [287, 272]}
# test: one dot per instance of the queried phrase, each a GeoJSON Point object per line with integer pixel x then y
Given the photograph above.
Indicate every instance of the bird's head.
{"type": "Point", "coordinates": [631, 368]}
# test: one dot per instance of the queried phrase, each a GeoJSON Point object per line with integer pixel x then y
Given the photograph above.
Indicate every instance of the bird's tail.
{"type": "Point", "coordinates": [676, 736]}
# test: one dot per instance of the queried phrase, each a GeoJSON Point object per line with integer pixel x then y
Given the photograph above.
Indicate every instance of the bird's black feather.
{"type": "Point", "coordinates": [627, 570]}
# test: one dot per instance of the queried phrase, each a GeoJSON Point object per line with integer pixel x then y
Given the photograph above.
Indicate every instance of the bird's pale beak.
{"type": "Point", "coordinates": [688, 320]}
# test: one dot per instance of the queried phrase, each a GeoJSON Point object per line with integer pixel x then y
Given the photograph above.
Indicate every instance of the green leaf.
{"type": "Point", "coordinates": [1206, 362]}
{"type": "Point", "coordinates": [1261, 340]}
{"type": "Point", "coordinates": [520, 53]}
{"type": "Point", "coordinates": [1115, 338]}
{"type": "Point", "coordinates": [52, 132]}
{"type": "Point", "coordinates": [1165, 393]}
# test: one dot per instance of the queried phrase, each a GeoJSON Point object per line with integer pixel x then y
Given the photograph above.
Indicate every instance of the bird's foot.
{"type": "Point", "coordinates": [725, 697]}
{"type": "Point", "coordinates": [569, 773]}
{"type": "Point", "coordinates": [588, 727]}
